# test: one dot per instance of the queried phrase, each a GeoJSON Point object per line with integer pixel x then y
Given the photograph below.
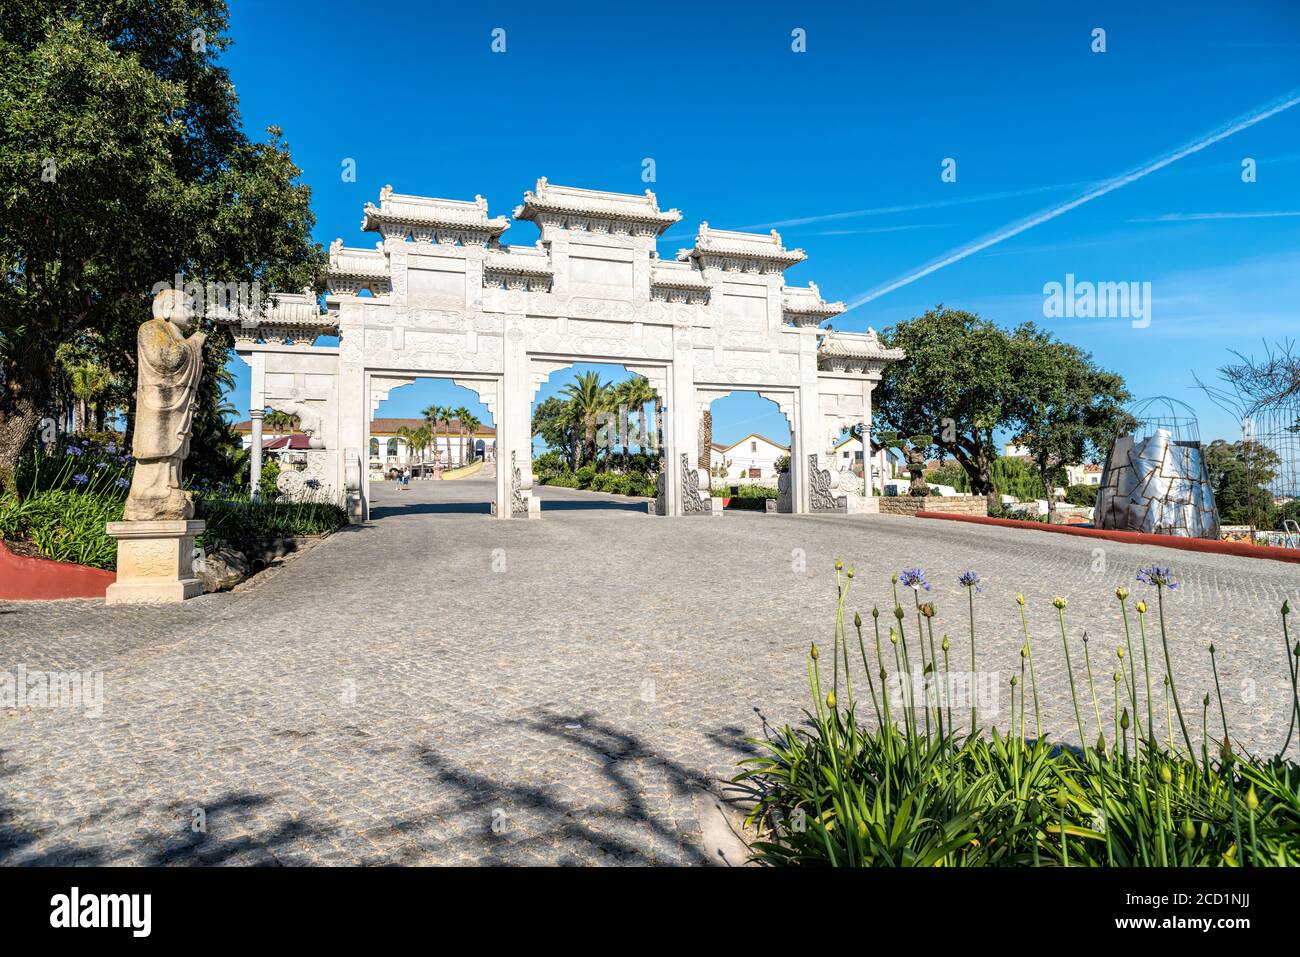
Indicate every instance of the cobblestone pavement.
{"type": "Point", "coordinates": [439, 687]}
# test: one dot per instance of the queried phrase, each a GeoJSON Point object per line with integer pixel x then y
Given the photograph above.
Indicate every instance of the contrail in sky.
{"type": "Point", "coordinates": [1257, 115]}
{"type": "Point", "coordinates": [1195, 217]}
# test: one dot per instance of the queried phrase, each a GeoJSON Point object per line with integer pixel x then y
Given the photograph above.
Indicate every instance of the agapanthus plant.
{"type": "Point", "coordinates": [914, 578]}
{"type": "Point", "coordinates": [1157, 575]}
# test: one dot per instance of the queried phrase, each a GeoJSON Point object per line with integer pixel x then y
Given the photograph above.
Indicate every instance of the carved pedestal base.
{"type": "Point", "coordinates": [526, 506]}
{"type": "Point", "coordinates": [523, 503]}
{"type": "Point", "coordinates": [154, 562]}
{"type": "Point", "coordinates": [861, 505]}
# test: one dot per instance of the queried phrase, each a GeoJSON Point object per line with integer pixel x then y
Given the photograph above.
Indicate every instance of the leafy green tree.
{"type": "Point", "coordinates": [124, 164]}
{"type": "Point", "coordinates": [1011, 476]}
{"type": "Point", "coordinates": [954, 386]}
{"type": "Point", "coordinates": [1240, 474]}
{"type": "Point", "coordinates": [1065, 407]}
{"type": "Point", "coordinates": [553, 421]}
{"type": "Point", "coordinates": [951, 475]}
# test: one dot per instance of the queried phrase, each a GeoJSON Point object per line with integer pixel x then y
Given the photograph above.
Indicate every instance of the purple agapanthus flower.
{"type": "Point", "coordinates": [81, 478]}
{"type": "Point", "coordinates": [914, 578]}
{"type": "Point", "coordinates": [1161, 577]}
{"type": "Point", "coordinates": [73, 450]}
{"type": "Point", "coordinates": [970, 580]}
{"type": "Point", "coordinates": [101, 465]}
{"type": "Point", "coordinates": [111, 447]}
{"type": "Point", "coordinates": [122, 483]}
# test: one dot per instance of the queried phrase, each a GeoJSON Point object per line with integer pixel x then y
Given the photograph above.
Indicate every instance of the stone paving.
{"type": "Point", "coordinates": [439, 687]}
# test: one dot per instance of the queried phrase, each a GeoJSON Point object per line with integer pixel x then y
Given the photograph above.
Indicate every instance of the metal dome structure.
{"type": "Point", "coordinates": [1162, 412]}
{"type": "Point", "coordinates": [1155, 480]}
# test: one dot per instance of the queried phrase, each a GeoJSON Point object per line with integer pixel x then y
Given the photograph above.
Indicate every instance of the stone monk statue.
{"type": "Point", "coordinates": [169, 367]}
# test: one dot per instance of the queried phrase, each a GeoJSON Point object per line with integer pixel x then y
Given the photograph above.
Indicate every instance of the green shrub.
{"type": "Point", "coordinates": [1082, 495]}
{"type": "Point", "coordinates": [906, 788]}
{"type": "Point", "coordinates": [550, 463]}
{"type": "Point", "coordinates": [234, 520]}
{"type": "Point", "coordinates": [952, 475]}
{"type": "Point", "coordinates": [266, 486]}
{"type": "Point", "coordinates": [64, 525]}
{"type": "Point", "coordinates": [585, 475]}
{"type": "Point", "coordinates": [643, 486]}
{"type": "Point", "coordinates": [76, 463]}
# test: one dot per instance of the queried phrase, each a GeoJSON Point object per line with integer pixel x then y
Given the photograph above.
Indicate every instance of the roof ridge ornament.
{"type": "Point", "coordinates": [425, 219]}
{"type": "Point", "coordinates": [735, 251]}
{"type": "Point", "coordinates": [595, 211]}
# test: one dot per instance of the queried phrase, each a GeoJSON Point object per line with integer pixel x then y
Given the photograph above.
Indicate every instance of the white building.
{"type": "Point", "coordinates": [752, 459]}
{"type": "Point", "coordinates": [885, 462]}
{"type": "Point", "coordinates": [389, 449]}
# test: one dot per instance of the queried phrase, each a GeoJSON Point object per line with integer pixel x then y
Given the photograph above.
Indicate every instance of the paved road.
{"type": "Point", "coordinates": [439, 687]}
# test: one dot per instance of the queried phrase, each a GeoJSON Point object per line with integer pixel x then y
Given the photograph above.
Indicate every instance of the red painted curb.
{"type": "Point", "coordinates": [39, 579]}
{"type": "Point", "coordinates": [1240, 549]}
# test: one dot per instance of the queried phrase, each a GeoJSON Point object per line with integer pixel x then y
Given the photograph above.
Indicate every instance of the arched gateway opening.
{"type": "Point", "coordinates": [746, 441]}
{"type": "Point", "coordinates": [597, 443]}
{"type": "Point", "coordinates": [431, 450]}
{"type": "Point", "coordinates": [444, 297]}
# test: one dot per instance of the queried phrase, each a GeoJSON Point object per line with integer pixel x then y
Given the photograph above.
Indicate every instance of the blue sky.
{"type": "Point", "coordinates": [840, 148]}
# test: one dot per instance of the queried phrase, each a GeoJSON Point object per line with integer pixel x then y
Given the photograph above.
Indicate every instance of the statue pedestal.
{"type": "Point", "coordinates": [154, 562]}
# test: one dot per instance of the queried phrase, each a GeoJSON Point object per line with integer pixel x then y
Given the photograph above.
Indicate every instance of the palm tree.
{"type": "Point", "coordinates": [409, 436]}
{"type": "Point", "coordinates": [460, 414]}
{"type": "Point", "coordinates": [469, 421]}
{"type": "Point", "coordinates": [587, 397]}
{"type": "Point", "coordinates": [634, 393]}
{"type": "Point", "coordinates": [280, 422]}
{"type": "Point", "coordinates": [706, 438]}
{"type": "Point", "coordinates": [434, 414]}
{"type": "Point", "coordinates": [417, 442]}
{"type": "Point", "coordinates": [87, 381]}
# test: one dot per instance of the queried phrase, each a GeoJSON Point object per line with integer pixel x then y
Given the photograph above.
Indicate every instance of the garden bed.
{"type": "Point", "coordinates": [897, 763]}
{"type": "Point", "coordinates": [28, 577]}
{"type": "Point", "coordinates": [1240, 549]}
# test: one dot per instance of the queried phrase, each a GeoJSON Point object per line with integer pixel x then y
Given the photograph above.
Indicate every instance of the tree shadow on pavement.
{"type": "Point", "coordinates": [232, 813]}
{"type": "Point", "coordinates": [619, 829]}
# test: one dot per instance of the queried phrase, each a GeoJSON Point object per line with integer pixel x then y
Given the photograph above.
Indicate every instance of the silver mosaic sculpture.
{"type": "Point", "coordinates": [1159, 486]}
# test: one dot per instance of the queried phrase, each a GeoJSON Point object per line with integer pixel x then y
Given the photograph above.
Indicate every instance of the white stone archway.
{"type": "Point", "coordinates": [446, 298]}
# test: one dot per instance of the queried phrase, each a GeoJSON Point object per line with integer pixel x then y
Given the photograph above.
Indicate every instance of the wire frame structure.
{"type": "Point", "coordinates": [1264, 396]}
{"type": "Point", "coordinates": [1162, 412]}
{"type": "Point", "coordinates": [1277, 426]}
{"type": "Point", "coordinates": [1155, 479]}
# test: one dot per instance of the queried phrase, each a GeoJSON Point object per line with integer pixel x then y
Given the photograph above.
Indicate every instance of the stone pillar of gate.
{"type": "Point", "coordinates": [868, 490]}
{"type": "Point", "coordinates": [808, 435]}
{"type": "Point", "coordinates": [353, 453]}
{"type": "Point", "coordinates": [514, 428]}
{"type": "Point", "coordinates": [256, 410]}
{"type": "Point", "coordinates": [255, 415]}
{"type": "Point", "coordinates": [682, 420]}
{"type": "Point", "coordinates": [491, 392]}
